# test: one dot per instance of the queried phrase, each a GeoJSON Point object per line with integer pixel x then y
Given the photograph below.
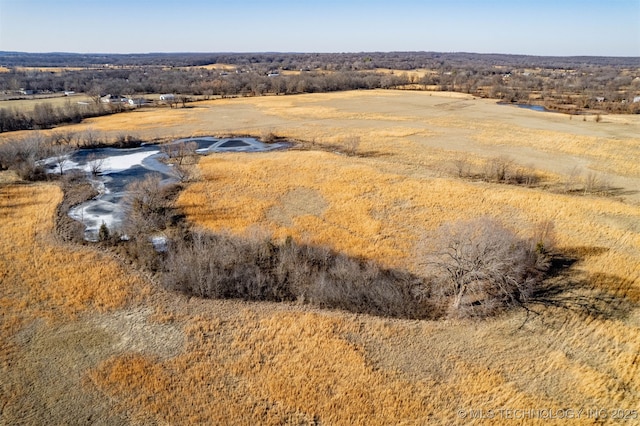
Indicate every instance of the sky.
{"type": "Point", "coordinates": [530, 27]}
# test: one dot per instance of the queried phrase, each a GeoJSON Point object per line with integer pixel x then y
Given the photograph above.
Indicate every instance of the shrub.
{"type": "Point", "coordinates": [103, 232]}
{"type": "Point", "coordinates": [23, 155]}
{"type": "Point", "coordinates": [351, 145]}
{"type": "Point", "coordinates": [222, 266]}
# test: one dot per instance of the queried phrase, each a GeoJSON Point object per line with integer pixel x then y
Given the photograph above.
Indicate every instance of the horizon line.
{"type": "Point", "coordinates": [311, 52]}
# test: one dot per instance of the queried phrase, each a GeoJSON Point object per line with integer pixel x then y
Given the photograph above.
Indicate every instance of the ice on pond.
{"type": "Point", "coordinates": [117, 168]}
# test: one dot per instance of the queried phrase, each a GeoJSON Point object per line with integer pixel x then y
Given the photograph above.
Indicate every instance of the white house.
{"type": "Point", "coordinates": [168, 97]}
{"type": "Point", "coordinates": [636, 99]}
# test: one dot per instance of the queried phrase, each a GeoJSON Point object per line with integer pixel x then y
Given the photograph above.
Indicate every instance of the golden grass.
{"type": "Point", "coordinates": [269, 367]}
{"type": "Point", "coordinates": [27, 105]}
{"type": "Point", "coordinates": [290, 367]}
{"type": "Point", "coordinates": [609, 154]}
{"type": "Point", "coordinates": [381, 214]}
{"type": "Point", "coordinates": [50, 69]}
{"type": "Point", "coordinates": [41, 278]}
{"type": "Point", "coordinates": [219, 67]}
{"type": "Point", "coordinates": [261, 363]}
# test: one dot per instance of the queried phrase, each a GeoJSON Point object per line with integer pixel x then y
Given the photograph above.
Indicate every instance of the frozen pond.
{"type": "Point", "coordinates": [538, 108]}
{"type": "Point", "coordinates": [120, 167]}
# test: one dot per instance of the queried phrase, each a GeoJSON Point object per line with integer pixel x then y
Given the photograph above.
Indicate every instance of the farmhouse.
{"type": "Point", "coordinates": [113, 99]}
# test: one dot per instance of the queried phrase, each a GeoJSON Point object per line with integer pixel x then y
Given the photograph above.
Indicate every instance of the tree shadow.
{"type": "Point", "coordinates": [600, 295]}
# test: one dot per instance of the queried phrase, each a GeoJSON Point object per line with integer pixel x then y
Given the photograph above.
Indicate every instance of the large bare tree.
{"type": "Point", "coordinates": [480, 265]}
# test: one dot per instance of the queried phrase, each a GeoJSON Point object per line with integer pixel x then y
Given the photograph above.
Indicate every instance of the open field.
{"type": "Point", "coordinates": [86, 339]}
{"type": "Point", "coordinates": [57, 101]}
{"type": "Point", "coordinates": [426, 131]}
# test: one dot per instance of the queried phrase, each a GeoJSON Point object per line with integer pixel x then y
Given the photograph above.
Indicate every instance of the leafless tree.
{"type": "Point", "coordinates": [89, 138]}
{"type": "Point", "coordinates": [95, 93]}
{"type": "Point", "coordinates": [498, 169]}
{"type": "Point", "coordinates": [351, 145]}
{"type": "Point", "coordinates": [571, 180]}
{"type": "Point", "coordinates": [184, 99]}
{"type": "Point", "coordinates": [65, 137]}
{"type": "Point", "coordinates": [147, 205]}
{"type": "Point", "coordinates": [462, 167]}
{"type": "Point", "coordinates": [182, 172]}
{"type": "Point", "coordinates": [60, 155]}
{"type": "Point", "coordinates": [178, 152]}
{"type": "Point", "coordinates": [96, 164]}
{"type": "Point", "coordinates": [591, 183]}
{"type": "Point", "coordinates": [481, 266]}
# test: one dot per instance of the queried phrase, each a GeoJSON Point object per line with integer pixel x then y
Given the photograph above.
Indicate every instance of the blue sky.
{"type": "Point", "coordinates": [536, 27]}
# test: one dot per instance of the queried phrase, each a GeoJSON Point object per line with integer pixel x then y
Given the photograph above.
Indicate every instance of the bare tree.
{"type": "Point", "coordinates": [23, 155]}
{"type": "Point", "coordinates": [182, 172]}
{"type": "Point", "coordinates": [90, 138]}
{"type": "Point", "coordinates": [65, 137]}
{"type": "Point", "coordinates": [178, 152]}
{"type": "Point", "coordinates": [95, 93]}
{"type": "Point", "coordinates": [572, 179]}
{"type": "Point", "coordinates": [480, 266]}
{"type": "Point", "coordinates": [351, 145]}
{"type": "Point", "coordinates": [184, 99]}
{"type": "Point", "coordinates": [147, 205]}
{"type": "Point", "coordinates": [498, 169]}
{"type": "Point", "coordinates": [61, 154]}
{"type": "Point", "coordinates": [462, 167]}
{"type": "Point", "coordinates": [96, 164]}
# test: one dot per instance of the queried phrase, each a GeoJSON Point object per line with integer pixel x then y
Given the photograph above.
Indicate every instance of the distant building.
{"type": "Point", "coordinates": [69, 93]}
{"type": "Point", "coordinates": [636, 99]}
{"type": "Point", "coordinates": [137, 101]}
{"type": "Point", "coordinates": [599, 98]}
{"type": "Point", "coordinates": [168, 97]}
{"type": "Point", "coordinates": [113, 99]}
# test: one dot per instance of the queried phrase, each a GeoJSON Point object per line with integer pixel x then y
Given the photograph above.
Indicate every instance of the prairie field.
{"type": "Point", "coordinates": [56, 101]}
{"type": "Point", "coordinates": [86, 337]}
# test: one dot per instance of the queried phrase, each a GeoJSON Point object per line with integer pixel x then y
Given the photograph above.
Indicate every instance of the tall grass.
{"type": "Point", "coordinates": [42, 278]}
{"type": "Point", "coordinates": [263, 363]}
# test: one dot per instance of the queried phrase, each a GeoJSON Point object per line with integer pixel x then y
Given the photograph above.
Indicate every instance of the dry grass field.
{"type": "Point", "coordinates": [26, 105]}
{"type": "Point", "coordinates": [86, 339]}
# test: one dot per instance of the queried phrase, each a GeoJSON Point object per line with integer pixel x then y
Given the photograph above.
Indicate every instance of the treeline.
{"type": "Point", "coordinates": [353, 60]}
{"type": "Point", "coordinates": [46, 116]}
{"type": "Point", "coordinates": [182, 82]}
{"type": "Point", "coordinates": [192, 81]}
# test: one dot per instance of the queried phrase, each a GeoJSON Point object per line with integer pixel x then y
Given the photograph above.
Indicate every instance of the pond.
{"type": "Point", "coordinates": [117, 168]}
{"type": "Point", "coordinates": [538, 108]}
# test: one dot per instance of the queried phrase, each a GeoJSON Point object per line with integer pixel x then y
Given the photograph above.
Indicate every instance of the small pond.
{"type": "Point", "coordinates": [120, 167]}
{"type": "Point", "coordinates": [538, 108]}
